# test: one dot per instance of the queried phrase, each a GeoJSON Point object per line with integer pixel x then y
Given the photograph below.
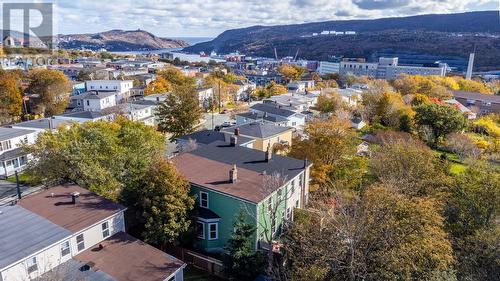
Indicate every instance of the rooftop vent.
{"type": "Point", "coordinates": [74, 196]}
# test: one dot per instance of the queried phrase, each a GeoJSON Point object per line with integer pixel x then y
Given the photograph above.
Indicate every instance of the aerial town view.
{"type": "Point", "coordinates": [250, 140]}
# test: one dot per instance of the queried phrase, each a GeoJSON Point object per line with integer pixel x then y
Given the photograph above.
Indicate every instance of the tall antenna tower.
{"type": "Point", "coordinates": [470, 65]}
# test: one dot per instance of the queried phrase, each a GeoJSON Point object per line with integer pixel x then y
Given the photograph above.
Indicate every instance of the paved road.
{"type": "Point", "coordinates": [218, 119]}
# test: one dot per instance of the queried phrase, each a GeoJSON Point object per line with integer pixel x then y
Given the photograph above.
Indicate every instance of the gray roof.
{"type": "Point", "coordinates": [259, 116]}
{"type": "Point", "coordinates": [24, 233]}
{"type": "Point", "coordinates": [11, 154]}
{"type": "Point", "coordinates": [70, 270]}
{"type": "Point", "coordinates": [209, 136]}
{"type": "Point", "coordinates": [94, 95]}
{"type": "Point", "coordinates": [477, 96]}
{"type": "Point", "coordinates": [44, 123]}
{"type": "Point", "coordinates": [272, 110]}
{"type": "Point", "coordinates": [250, 159]}
{"type": "Point", "coordinates": [9, 133]}
{"type": "Point", "coordinates": [145, 102]}
{"type": "Point", "coordinates": [259, 129]}
{"type": "Point", "coordinates": [84, 114]}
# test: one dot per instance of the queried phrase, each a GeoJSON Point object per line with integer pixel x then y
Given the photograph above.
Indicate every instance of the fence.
{"type": "Point", "coordinates": [206, 263]}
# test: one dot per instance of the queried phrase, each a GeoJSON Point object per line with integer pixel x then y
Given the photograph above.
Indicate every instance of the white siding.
{"type": "Point", "coordinates": [50, 257]}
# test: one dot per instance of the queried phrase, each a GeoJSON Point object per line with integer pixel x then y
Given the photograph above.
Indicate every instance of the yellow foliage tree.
{"type": "Point", "coordinates": [473, 86]}
{"type": "Point", "coordinates": [11, 99]}
{"type": "Point", "coordinates": [160, 85]}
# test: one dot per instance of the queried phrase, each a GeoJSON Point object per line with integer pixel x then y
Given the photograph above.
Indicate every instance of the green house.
{"type": "Point", "coordinates": [228, 179]}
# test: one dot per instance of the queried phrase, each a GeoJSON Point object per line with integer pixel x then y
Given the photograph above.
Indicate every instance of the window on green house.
{"type": "Point", "coordinates": [203, 199]}
{"type": "Point", "coordinates": [200, 230]}
{"type": "Point", "coordinates": [213, 231]}
{"type": "Point", "coordinates": [270, 204]}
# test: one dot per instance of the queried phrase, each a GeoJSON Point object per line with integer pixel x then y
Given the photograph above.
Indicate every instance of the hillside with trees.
{"type": "Point", "coordinates": [451, 35]}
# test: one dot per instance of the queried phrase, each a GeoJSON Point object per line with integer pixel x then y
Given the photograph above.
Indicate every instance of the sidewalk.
{"type": "Point", "coordinates": [8, 192]}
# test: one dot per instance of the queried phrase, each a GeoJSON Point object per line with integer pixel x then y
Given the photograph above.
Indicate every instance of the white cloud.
{"type": "Point", "coordinates": [210, 17]}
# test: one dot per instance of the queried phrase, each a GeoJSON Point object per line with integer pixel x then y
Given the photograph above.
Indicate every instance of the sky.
{"type": "Point", "coordinates": [208, 18]}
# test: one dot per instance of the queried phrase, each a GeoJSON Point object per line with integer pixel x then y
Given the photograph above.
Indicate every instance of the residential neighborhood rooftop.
{"type": "Point", "coordinates": [94, 95]}
{"type": "Point", "coordinates": [55, 204]}
{"type": "Point", "coordinates": [84, 114]}
{"type": "Point", "coordinates": [126, 258]}
{"type": "Point", "coordinates": [259, 129]}
{"type": "Point", "coordinates": [209, 136]}
{"type": "Point", "coordinates": [24, 233]}
{"type": "Point", "coordinates": [42, 124]}
{"type": "Point", "coordinates": [209, 166]}
{"type": "Point", "coordinates": [476, 96]}
{"type": "Point", "coordinates": [271, 109]}
{"type": "Point", "coordinates": [9, 133]}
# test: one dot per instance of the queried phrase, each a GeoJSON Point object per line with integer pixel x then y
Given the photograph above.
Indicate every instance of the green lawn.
{"type": "Point", "coordinates": [457, 166]}
{"type": "Point", "coordinates": [23, 178]}
{"type": "Point", "coordinates": [192, 273]}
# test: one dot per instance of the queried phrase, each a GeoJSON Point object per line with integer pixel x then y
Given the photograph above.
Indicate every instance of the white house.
{"type": "Point", "coordinates": [274, 114]}
{"type": "Point", "coordinates": [84, 116]}
{"type": "Point", "coordinates": [300, 86]}
{"type": "Point", "coordinates": [122, 87]}
{"type": "Point", "coordinates": [244, 88]}
{"type": "Point", "coordinates": [204, 95]}
{"type": "Point", "coordinates": [12, 157]}
{"type": "Point", "coordinates": [71, 233]}
{"type": "Point", "coordinates": [350, 96]}
{"type": "Point", "coordinates": [95, 100]}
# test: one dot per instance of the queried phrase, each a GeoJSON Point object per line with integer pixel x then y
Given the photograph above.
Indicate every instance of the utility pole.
{"type": "Point", "coordinates": [220, 111]}
{"type": "Point", "coordinates": [18, 188]}
{"type": "Point", "coordinates": [212, 109]}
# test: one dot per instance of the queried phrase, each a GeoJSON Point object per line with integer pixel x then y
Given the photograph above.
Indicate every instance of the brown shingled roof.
{"type": "Point", "coordinates": [125, 258]}
{"type": "Point", "coordinates": [55, 205]}
{"type": "Point", "coordinates": [215, 175]}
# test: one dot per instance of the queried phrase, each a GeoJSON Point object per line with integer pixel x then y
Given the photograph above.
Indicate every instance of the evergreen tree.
{"type": "Point", "coordinates": [241, 260]}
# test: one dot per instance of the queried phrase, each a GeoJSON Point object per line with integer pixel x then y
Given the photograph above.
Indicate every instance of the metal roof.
{"type": "Point", "coordinates": [9, 133]}
{"type": "Point", "coordinates": [23, 233]}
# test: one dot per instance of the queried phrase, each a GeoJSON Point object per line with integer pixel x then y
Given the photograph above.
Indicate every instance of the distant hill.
{"type": "Point", "coordinates": [449, 35]}
{"type": "Point", "coordinates": [118, 40]}
{"type": "Point", "coordinates": [113, 40]}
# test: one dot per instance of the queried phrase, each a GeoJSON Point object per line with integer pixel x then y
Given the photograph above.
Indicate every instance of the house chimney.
{"type": "Point", "coordinates": [233, 174]}
{"type": "Point", "coordinates": [233, 140]}
{"type": "Point", "coordinates": [306, 163]}
{"type": "Point", "coordinates": [74, 196]}
{"type": "Point", "coordinates": [269, 153]}
{"type": "Point", "coordinates": [236, 131]}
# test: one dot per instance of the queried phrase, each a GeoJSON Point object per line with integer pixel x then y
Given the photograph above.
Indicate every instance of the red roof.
{"type": "Point", "coordinates": [126, 258]}
{"type": "Point", "coordinates": [215, 175]}
{"type": "Point", "coordinates": [55, 205]}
